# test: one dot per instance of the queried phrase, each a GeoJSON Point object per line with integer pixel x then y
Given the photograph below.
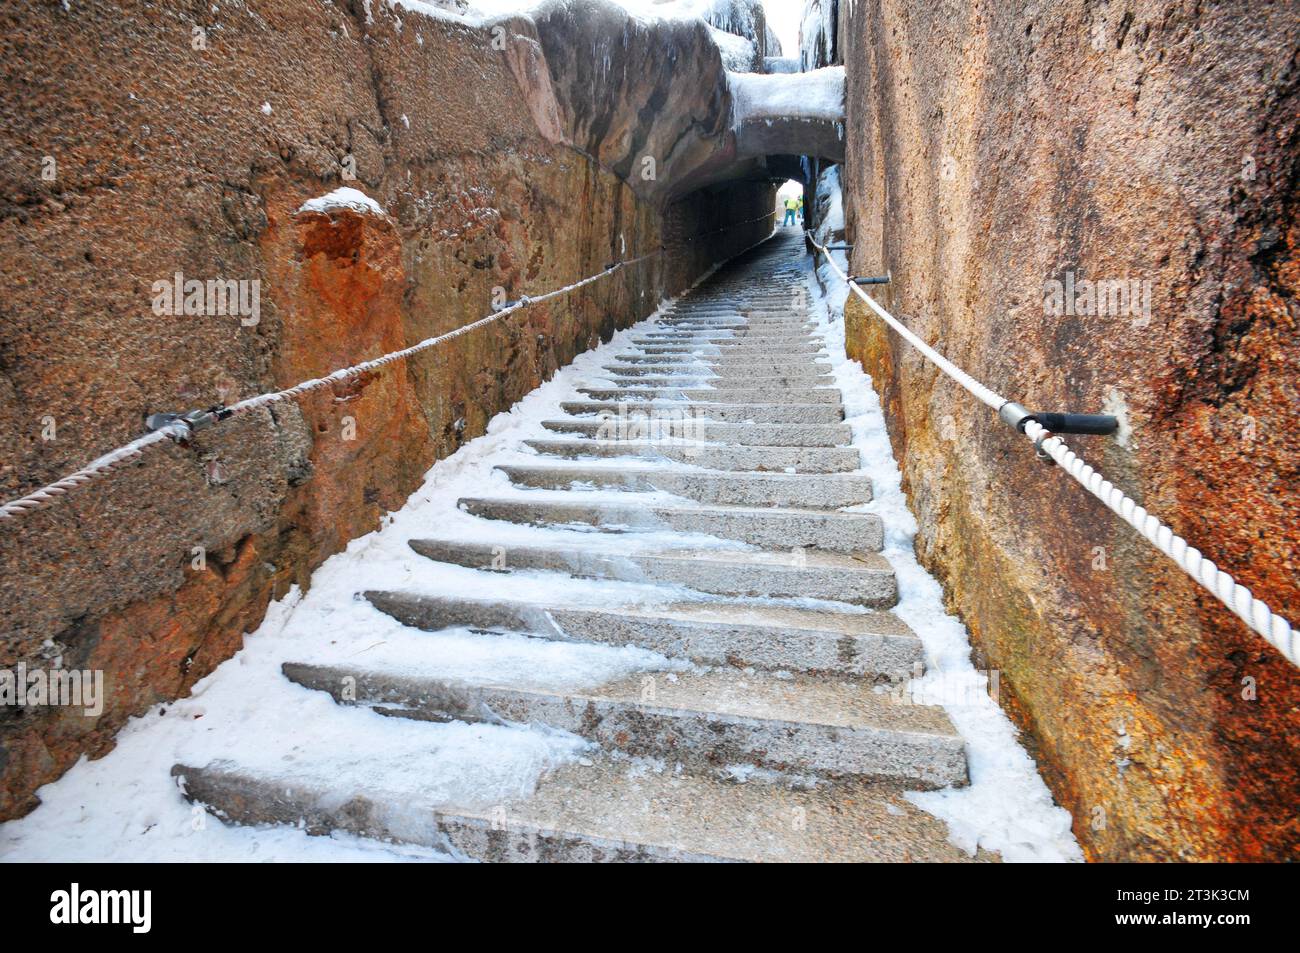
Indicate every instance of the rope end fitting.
{"type": "Point", "coordinates": [1014, 415]}
{"type": "Point", "coordinates": [182, 427]}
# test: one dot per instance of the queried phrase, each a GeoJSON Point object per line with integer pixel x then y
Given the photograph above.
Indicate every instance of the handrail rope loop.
{"type": "Point", "coordinates": [1254, 612]}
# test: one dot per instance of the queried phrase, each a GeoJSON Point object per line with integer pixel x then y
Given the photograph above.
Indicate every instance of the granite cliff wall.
{"type": "Point", "coordinates": [996, 153]}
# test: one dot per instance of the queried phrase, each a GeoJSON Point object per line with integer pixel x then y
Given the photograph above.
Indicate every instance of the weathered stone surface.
{"type": "Point", "coordinates": [182, 151]}
{"type": "Point", "coordinates": [654, 131]}
{"type": "Point", "coordinates": [830, 727]}
{"type": "Point", "coordinates": [991, 149]}
{"type": "Point", "coordinates": [602, 812]}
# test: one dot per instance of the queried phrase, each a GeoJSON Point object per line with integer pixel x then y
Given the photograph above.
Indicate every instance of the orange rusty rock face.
{"type": "Point", "coordinates": [1164, 725]}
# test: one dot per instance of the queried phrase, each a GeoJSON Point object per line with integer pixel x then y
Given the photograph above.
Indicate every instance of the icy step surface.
{"type": "Point", "coordinates": [709, 456]}
{"type": "Point", "coordinates": [767, 527]}
{"type": "Point", "coordinates": [769, 413]}
{"type": "Point", "coordinates": [600, 812]}
{"type": "Point", "coordinates": [774, 367]}
{"type": "Point", "coordinates": [704, 395]}
{"type": "Point", "coordinates": [831, 728]}
{"type": "Point", "coordinates": [720, 351]}
{"type": "Point", "coordinates": [732, 338]}
{"type": "Point", "coordinates": [863, 579]}
{"type": "Point", "coordinates": [748, 435]}
{"type": "Point", "coordinates": [819, 491]}
{"type": "Point", "coordinates": [772, 382]}
{"type": "Point", "coordinates": [875, 645]}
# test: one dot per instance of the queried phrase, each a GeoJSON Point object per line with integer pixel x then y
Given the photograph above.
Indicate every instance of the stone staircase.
{"type": "Point", "coordinates": [783, 740]}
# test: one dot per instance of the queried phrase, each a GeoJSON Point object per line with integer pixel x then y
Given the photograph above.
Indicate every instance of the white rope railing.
{"type": "Point", "coordinates": [180, 427]}
{"type": "Point", "coordinates": [1253, 611]}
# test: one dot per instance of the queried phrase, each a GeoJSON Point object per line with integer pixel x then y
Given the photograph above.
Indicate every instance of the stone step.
{"type": "Point", "coordinates": [785, 299]}
{"type": "Point", "coordinates": [729, 364]}
{"type": "Point", "coordinates": [768, 527]}
{"type": "Point", "coordinates": [732, 307]}
{"type": "Point", "coordinates": [877, 646]}
{"type": "Point", "coordinates": [785, 344]}
{"type": "Point", "coordinates": [771, 413]}
{"type": "Point", "coordinates": [751, 313]}
{"type": "Point", "coordinates": [708, 323]}
{"type": "Point", "coordinates": [728, 338]}
{"type": "Point", "coordinates": [601, 812]}
{"type": "Point", "coordinates": [696, 382]}
{"type": "Point", "coordinates": [705, 720]}
{"type": "Point", "coordinates": [684, 353]}
{"type": "Point", "coordinates": [743, 349]}
{"type": "Point", "coordinates": [819, 491]}
{"type": "Point", "coordinates": [710, 456]}
{"type": "Point", "coordinates": [737, 341]}
{"type": "Point", "coordinates": [749, 435]}
{"type": "Point", "coordinates": [864, 579]}
{"type": "Point", "coordinates": [750, 319]}
{"type": "Point", "coordinates": [768, 310]}
{"type": "Point", "coordinates": [780, 368]}
{"type": "Point", "coordinates": [773, 328]}
{"type": "Point", "coordinates": [811, 395]}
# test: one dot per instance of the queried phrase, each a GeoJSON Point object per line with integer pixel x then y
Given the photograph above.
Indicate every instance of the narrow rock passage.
{"type": "Point", "coordinates": [653, 632]}
{"type": "Point", "coordinates": [732, 368]}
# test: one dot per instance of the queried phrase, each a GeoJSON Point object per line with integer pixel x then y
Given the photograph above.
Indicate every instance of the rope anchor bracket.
{"type": "Point", "coordinates": [182, 427]}
{"type": "Point", "coordinates": [1016, 416]}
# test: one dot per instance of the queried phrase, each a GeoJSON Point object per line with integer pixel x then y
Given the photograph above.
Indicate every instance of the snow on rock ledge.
{"type": "Point", "coordinates": [344, 198]}
{"type": "Point", "coordinates": [815, 95]}
{"type": "Point", "coordinates": [790, 113]}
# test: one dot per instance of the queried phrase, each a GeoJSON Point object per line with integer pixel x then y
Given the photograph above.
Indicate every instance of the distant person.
{"type": "Point", "coordinates": [792, 206]}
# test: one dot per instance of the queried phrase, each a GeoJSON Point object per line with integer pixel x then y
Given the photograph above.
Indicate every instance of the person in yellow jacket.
{"type": "Point", "coordinates": [793, 206]}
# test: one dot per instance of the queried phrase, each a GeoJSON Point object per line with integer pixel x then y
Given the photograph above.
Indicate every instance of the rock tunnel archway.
{"type": "Point", "coordinates": [654, 102]}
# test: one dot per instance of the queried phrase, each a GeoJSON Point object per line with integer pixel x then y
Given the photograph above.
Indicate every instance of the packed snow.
{"type": "Point", "coordinates": [818, 95]}
{"type": "Point", "coordinates": [737, 52]}
{"type": "Point", "coordinates": [349, 198]}
{"type": "Point", "coordinates": [780, 64]}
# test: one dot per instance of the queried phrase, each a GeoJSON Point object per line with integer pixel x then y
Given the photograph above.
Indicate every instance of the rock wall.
{"type": "Point", "coordinates": [142, 140]}
{"type": "Point", "coordinates": [996, 149]}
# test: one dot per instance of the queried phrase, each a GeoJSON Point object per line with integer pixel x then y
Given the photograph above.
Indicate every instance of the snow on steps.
{"type": "Point", "coordinates": [773, 385]}
{"type": "Point", "coordinates": [790, 367]}
{"type": "Point", "coordinates": [809, 395]}
{"type": "Point", "coordinates": [684, 355]}
{"type": "Point", "coordinates": [710, 456]}
{"type": "Point", "coordinates": [808, 726]}
{"type": "Point", "coordinates": [747, 434]}
{"type": "Point", "coordinates": [864, 579]}
{"type": "Point", "coordinates": [817, 491]}
{"type": "Point", "coordinates": [716, 353]}
{"type": "Point", "coordinates": [792, 413]}
{"type": "Point", "coordinates": [770, 685]}
{"type": "Point", "coordinates": [875, 645]}
{"type": "Point", "coordinates": [769, 527]}
{"type": "Point", "coordinates": [600, 812]}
